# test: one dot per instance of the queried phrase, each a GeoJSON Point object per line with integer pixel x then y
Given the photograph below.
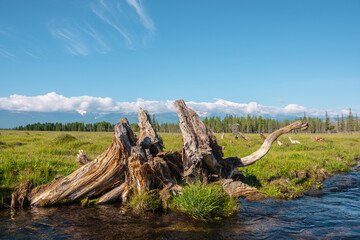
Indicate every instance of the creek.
{"type": "Point", "coordinates": [330, 213]}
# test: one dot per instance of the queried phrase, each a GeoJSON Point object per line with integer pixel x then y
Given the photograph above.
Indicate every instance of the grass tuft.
{"type": "Point", "coordinates": [205, 202]}
{"type": "Point", "coordinates": [145, 201]}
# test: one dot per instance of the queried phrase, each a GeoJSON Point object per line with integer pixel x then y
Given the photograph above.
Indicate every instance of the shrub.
{"type": "Point", "coordinates": [205, 202]}
{"type": "Point", "coordinates": [64, 138]}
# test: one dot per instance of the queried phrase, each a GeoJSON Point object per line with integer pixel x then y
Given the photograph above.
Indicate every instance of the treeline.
{"type": "Point", "coordinates": [229, 124]}
{"type": "Point", "coordinates": [257, 124]}
{"type": "Point", "coordinates": [75, 126]}
{"type": "Point", "coordinates": [94, 127]}
{"type": "Point", "coordinates": [351, 124]}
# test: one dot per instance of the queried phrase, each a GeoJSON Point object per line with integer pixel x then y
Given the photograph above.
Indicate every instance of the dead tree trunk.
{"type": "Point", "coordinates": [132, 164]}
{"type": "Point", "coordinates": [129, 164]}
{"type": "Point", "coordinates": [106, 171]}
{"type": "Point", "coordinates": [200, 149]}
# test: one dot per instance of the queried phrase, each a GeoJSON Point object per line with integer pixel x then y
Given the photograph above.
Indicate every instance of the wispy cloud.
{"type": "Point", "coordinates": [83, 39]}
{"type": "Point", "coordinates": [141, 11]}
{"type": "Point", "coordinates": [105, 25]}
{"type": "Point", "coordinates": [53, 102]}
{"type": "Point", "coordinates": [118, 16]}
{"type": "Point", "coordinates": [5, 53]}
{"type": "Point", "coordinates": [78, 40]}
{"type": "Point", "coordinates": [17, 44]}
{"type": "Point", "coordinates": [99, 45]}
{"type": "Point", "coordinates": [32, 54]}
{"type": "Point", "coordinates": [110, 13]}
{"type": "Point", "coordinates": [71, 39]}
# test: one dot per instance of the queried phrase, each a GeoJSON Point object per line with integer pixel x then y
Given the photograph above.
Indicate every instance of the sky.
{"type": "Point", "coordinates": [256, 57]}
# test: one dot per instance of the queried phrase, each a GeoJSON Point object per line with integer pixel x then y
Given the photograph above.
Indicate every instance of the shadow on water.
{"type": "Point", "coordinates": [330, 213]}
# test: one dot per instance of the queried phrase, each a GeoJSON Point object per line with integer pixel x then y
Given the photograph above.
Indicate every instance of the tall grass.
{"type": "Point", "coordinates": [205, 202]}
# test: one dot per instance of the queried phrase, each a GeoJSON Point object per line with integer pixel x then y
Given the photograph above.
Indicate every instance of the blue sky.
{"type": "Point", "coordinates": [303, 55]}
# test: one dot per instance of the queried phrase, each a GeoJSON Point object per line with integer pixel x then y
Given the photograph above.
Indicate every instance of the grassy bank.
{"type": "Point", "coordinates": [285, 172]}
{"type": "Point", "coordinates": [40, 156]}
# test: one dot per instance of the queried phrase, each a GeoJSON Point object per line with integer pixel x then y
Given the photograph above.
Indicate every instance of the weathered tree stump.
{"type": "Point", "coordinates": [262, 136]}
{"type": "Point", "coordinates": [82, 158]}
{"type": "Point", "coordinates": [133, 164]}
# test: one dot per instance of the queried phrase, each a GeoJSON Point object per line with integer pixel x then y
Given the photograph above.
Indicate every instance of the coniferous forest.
{"type": "Point", "coordinates": [228, 124]}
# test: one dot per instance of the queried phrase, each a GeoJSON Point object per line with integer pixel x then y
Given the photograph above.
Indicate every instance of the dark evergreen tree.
{"type": "Point", "coordinates": [342, 123]}
{"type": "Point", "coordinates": [350, 125]}
{"type": "Point", "coordinates": [327, 122]}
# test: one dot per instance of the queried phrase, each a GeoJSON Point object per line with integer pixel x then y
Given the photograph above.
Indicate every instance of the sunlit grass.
{"type": "Point", "coordinates": [287, 172]}
{"type": "Point", "coordinates": [205, 202]}
{"type": "Point", "coordinates": [40, 156]}
{"type": "Point", "coordinates": [284, 172]}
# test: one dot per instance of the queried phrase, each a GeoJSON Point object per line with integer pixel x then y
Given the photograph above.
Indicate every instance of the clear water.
{"type": "Point", "coordinates": [332, 213]}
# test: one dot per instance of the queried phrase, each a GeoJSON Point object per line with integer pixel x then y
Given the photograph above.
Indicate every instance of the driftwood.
{"type": "Point", "coordinates": [294, 141]}
{"type": "Point", "coordinates": [134, 163]}
{"type": "Point", "coordinates": [245, 137]}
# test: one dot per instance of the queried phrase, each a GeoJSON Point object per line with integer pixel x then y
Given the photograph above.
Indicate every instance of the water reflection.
{"type": "Point", "coordinates": [332, 213]}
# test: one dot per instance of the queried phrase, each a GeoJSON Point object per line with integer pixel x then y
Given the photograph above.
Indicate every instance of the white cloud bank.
{"type": "Point", "coordinates": [53, 102]}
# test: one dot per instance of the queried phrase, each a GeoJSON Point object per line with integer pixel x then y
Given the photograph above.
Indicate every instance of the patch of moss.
{"type": "Point", "coordinates": [86, 202]}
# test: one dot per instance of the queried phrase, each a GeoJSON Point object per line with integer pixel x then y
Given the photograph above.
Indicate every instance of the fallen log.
{"type": "Point", "coordinates": [135, 164]}
{"type": "Point", "coordinates": [245, 137]}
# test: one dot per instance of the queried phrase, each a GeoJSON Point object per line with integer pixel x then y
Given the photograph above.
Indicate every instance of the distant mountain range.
{"type": "Point", "coordinates": [11, 119]}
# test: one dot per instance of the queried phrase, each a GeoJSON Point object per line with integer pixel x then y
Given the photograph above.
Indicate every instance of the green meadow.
{"type": "Point", "coordinates": [285, 172]}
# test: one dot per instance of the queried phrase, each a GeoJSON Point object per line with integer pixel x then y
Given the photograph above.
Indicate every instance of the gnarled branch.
{"type": "Point", "coordinates": [200, 149]}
